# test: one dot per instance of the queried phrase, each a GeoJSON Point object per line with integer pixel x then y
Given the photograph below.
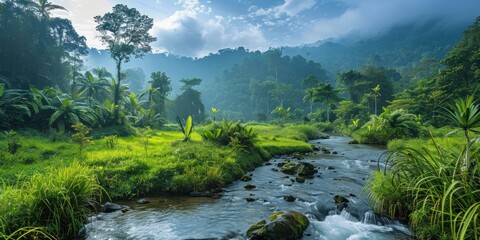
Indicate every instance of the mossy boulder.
{"type": "Point", "coordinates": [306, 170]}
{"type": "Point", "coordinates": [289, 168]}
{"type": "Point", "coordinates": [282, 226]}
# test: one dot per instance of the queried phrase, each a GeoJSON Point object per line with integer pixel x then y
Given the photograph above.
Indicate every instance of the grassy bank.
{"type": "Point", "coordinates": [428, 185]}
{"type": "Point", "coordinates": [122, 167]}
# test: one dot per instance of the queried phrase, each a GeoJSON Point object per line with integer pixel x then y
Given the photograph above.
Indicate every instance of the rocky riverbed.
{"type": "Point", "coordinates": [324, 185]}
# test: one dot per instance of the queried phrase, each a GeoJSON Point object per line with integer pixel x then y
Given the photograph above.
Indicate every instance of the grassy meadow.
{"type": "Point", "coordinates": [43, 172]}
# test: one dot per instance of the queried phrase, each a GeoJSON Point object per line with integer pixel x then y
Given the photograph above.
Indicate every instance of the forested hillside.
{"type": "Point", "coordinates": [235, 79]}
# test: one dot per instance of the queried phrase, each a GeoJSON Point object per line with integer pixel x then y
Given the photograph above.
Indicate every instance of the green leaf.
{"type": "Point", "coordinates": [189, 126]}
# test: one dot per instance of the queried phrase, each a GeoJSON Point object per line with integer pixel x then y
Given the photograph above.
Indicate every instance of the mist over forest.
{"type": "Point", "coordinates": [405, 49]}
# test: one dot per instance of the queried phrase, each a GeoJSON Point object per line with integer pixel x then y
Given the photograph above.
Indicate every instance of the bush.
{"type": "Point", "coordinates": [389, 125]}
{"type": "Point", "coordinates": [229, 133]}
{"type": "Point", "coordinates": [56, 202]}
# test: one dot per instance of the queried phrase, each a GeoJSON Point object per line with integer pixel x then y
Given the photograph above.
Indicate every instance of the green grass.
{"type": "Point", "coordinates": [427, 185]}
{"type": "Point", "coordinates": [47, 185]}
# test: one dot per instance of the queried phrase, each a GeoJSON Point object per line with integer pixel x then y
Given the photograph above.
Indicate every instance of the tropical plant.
{"type": "Point", "coordinates": [215, 112]}
{"type": "Point", "coordinates": [80, 136]}
{"type": "Point", "coordinates": [387, 126]}
{"type": "Point", "coordinates": [465, 114]}
{"type": "Point", "coordinates": [67, 112]}
{"type": "Point", "coordinates": [44, 7]}
{"type": "Point", "coordinates": [16, 107]}
{"type": "Point", "coordinates": [187, 129]}
{"type": "Point", "coordinates": [282, 113]}
{"type": "Point", "coordinates": [230, 133]}
{"type": "Point", "coordinates": [145, 140]}
{"type": "Point", "coordinates": [91, 85]}
{"type": "Point", "coordinates": [111, 141]}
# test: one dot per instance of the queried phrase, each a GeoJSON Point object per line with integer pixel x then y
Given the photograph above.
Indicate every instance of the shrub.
{"type": "Point", "coordinates": [55, 203]}
{"type": "Point", "coordinates": [230, 133]}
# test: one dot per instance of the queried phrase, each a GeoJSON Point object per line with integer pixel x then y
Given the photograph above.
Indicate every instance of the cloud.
{"type": "Point", "coordinates": [81, 13]}
{"type": "Point", "coordinates": [369, 17]}
{"type": "Point", "coordinates": [188, 34]}
{"type": "Point", "coordinates": [180, 33]}
{"type": "Point", "coordinates": [289, 8]}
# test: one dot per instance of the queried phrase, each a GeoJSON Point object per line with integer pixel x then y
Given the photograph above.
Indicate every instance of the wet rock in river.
{"type": "Point", "coordinates": [324, 136]}
{"type": "Point", "coordinates": [246, 178]}
{"type": "Point", "coordinates": [289, 198]}
{"type": "Point", "coordinates": [112, 207]}
{"type": "Point", "coordinates": [341, 202]}
{"type": "Point", "coordinates": [283, 225]}
{"type": "Point", "coordinates": [249, 199]}
{"type": "Point", "coordinates": [249, 186]}
{"type": "Point", "coordinates": [143, 201]}
{"type": "Point", "coordinates": [315, 148]}
{"type": "Point", "coordinates": [353, 141]}
{"type": "Point", "coordinates": [300, 179]}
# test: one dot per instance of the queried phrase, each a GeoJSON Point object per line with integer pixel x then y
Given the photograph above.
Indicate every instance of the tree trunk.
{"type": "Point", "coordinates": [116, 97]}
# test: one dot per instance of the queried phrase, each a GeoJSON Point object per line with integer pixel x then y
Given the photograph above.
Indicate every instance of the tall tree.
{"type": "Point", "coordinates": [327, 95]}
{"type": "Point", "coordinates": [163, 84]}
{"type": "Point", "coordinates": [189, 102]}
{"type": "Point", "coordinates": [125, 32]}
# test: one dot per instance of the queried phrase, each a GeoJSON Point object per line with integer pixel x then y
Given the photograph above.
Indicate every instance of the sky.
{"type": "Point", "coordinates": [195, 28]}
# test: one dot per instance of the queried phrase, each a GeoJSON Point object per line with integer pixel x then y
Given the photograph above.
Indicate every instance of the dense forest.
{"type": "Point", "coordinates": [409, 83]}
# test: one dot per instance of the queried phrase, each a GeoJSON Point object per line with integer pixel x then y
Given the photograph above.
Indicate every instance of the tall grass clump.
{"type": "Point", "coordinates": [438, 190]}
{"type": "Point", "coordinates": [387, 126]}
{"type": "Point", "coordinates": [52, 204]}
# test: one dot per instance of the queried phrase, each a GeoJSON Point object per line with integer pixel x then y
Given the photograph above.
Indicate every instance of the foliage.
{"type": "Point", "coordinates": [126, 32]}
{"type": "Point", "coordinates": [230, 133]}
{"type": "Point", "coordinates": [282, 113]}
{"type": "Point", "coordinates": [111, 141]}
{"type": "Point", "coordinates": [389, 125]}
{"type": "Point", "coordinates": [53, 204]}
{"type": "Point", "coordinates": [145, 141]}
{"type": "Point", "coordinates": [436, 189]}
{"type": "Point", "coordinates": [13, 144]}
{"type": "Point", "coordinates": [80, 136]}
{"type": "Point", "coordinates": [39, 50]}
{"type": "Point", "coordinates": [260, 82]}
{"type": "Point", "coordinates": [187, 129]}
{"type": "Point", "coordinates": [189, 103]}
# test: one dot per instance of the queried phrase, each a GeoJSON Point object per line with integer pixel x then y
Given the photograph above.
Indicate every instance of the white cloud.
{"type": "Point", "coordinates": [289, 7]}
{"type": "Point", "coordinates": [81, 13]}
{"type": "Point", "coordinates": [183, 33]}
{"type": "Point", "coordinates": [369, 17]}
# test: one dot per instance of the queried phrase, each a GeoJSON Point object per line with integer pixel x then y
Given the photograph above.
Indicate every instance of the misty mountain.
{"type": "Point", "coordinates": [401, 48]}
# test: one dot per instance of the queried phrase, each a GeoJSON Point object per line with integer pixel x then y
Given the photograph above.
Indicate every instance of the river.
{"type": "Point", "coordinates": [229, 217]}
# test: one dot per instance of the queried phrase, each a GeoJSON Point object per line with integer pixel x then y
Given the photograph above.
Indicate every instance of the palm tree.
{"type": "Point", "coordinates": [465, 114]}
{"type": "Point", "coordinates": [102, 72]}
{"type": "Point", "coordinates": [92, 85]}
{"type": "Point", "coordinates": [310, 97]}
{"type": "Point", "coordinates": [326, 94]}
{"type": "Point", "coordinates": [44, 7]}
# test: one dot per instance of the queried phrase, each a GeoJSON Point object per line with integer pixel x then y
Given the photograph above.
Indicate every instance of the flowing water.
{"type": "Point", "coordinates": [229, 217]}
